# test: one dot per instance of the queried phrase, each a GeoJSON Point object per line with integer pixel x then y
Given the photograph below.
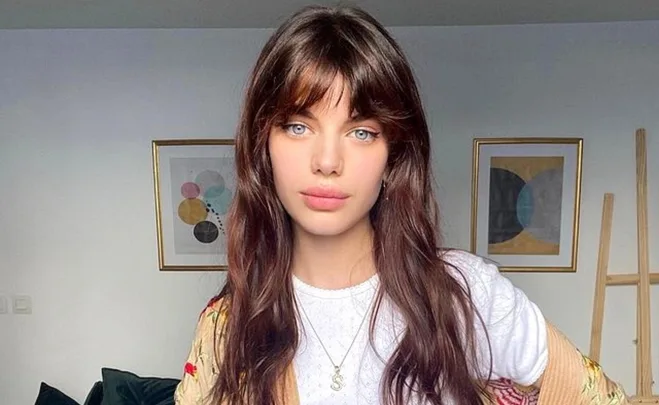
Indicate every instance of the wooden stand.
{"type": "Point", "coordinates": [642, 280]}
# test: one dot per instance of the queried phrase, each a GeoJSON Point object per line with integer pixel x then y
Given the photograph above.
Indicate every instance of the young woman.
{"type": "Point", "coordinates": [337, 292]}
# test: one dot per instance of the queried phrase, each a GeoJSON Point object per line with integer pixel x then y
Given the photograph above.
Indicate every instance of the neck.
{"type": "Point", "coordinates": [333, 262]}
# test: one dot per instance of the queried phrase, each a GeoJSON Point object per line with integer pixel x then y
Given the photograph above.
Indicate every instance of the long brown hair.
{"type": "Point", "coordinates": [435, 359]}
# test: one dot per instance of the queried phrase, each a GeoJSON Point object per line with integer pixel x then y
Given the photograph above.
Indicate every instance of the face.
{"type": "Point", "coordinates": [328, 165]}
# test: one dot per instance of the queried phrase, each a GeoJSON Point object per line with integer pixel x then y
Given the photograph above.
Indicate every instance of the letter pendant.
{"type": "Point", "coordinates": [337, 380]}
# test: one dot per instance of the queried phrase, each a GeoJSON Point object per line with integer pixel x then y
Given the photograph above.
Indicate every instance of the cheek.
{"type": "Point", "coordinates": [283, 161]}
{"type": "Point", "coordinates": [371, 175]}
{"type": "Point", "coordinates": [372, 180]}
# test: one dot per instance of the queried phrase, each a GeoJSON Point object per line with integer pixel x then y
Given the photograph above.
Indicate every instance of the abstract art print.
{"type": "Point", "coordinates": [194, 183]}
{"type": "Point", "coordinates": [525, 202]}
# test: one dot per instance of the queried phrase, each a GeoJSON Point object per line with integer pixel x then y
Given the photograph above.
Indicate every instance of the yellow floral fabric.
{"type": "Point", "coordinates": [573, 378]}
{"type": "Point", "coordinates": [611, 393]}
{"type": "Point", "coordinates": [200, 368]}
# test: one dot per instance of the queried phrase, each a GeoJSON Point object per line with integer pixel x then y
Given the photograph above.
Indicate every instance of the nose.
{"type": "Point", "coordinates": [327, 156]}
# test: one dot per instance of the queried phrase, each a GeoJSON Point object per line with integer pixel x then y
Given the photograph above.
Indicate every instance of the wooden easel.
{"type": "Point", "coordinates": [642, 280]}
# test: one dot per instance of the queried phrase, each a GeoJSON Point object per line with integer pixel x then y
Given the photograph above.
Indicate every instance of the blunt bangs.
{"type": "Point", "coordinates": [307, 67]}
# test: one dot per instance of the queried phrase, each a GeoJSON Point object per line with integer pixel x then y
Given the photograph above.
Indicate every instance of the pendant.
{"type": "Point", "coordinates": [337, 380]}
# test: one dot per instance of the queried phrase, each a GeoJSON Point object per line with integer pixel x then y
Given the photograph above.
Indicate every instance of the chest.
{"type": "Point", "coordinates": [335, 362]}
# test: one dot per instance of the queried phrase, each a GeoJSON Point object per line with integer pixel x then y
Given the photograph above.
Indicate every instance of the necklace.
{"type": "Point", "coordinates": [338, 381]}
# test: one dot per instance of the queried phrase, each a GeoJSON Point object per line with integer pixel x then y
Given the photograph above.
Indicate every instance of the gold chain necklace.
{"type": "Point", "coordinates": [338, 381]}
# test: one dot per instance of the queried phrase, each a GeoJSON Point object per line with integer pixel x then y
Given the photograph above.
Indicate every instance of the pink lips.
{"type": "Point", "coordinates": [324, 199]}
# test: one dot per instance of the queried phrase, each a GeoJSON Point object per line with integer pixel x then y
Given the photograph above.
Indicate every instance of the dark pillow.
{"type": "Point", "coordinates": [52, 396]}
{"type": "Point", "coordinates": [95, 394]}
{"type": "Point", "coordinates": [125, 388]}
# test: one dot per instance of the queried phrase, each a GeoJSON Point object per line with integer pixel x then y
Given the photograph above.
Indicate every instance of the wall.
{"type": "Point", "coordinates": [78, 110]}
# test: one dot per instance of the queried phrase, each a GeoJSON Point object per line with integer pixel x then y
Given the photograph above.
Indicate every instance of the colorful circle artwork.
{"type": "Point", "coordinates": [205, 201]}
{"type": "Point", "coordinates": [190, 190]}
{"type": "Point", "coordinates": [192, 211]}
{"type": "Point", "coordinates": [208, 179]}
{"type": "Point", "coordinates": [218, 199]}
{"type": "Point", "coordinates": [206, 232]}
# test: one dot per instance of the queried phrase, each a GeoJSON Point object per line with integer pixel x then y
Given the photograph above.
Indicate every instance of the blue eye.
{"type": "Point", "coordinates": [295, 129]}
{"type": "Point", "coordinates": [364, 135]}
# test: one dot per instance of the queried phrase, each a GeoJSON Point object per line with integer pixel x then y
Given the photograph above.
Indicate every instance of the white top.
{"type": "Point", "coordinates": [515, 325]}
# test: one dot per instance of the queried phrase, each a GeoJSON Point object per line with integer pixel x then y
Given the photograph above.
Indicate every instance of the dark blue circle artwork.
{"type": "Point", "coordinates": [525, 201]}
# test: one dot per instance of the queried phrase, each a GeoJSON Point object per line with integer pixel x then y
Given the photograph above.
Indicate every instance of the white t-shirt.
{"type": "Point", "coordinates": [515, 326]}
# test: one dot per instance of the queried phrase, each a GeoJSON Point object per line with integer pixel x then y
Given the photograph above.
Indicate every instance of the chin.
{"type": "Point", "coordinates": [329, 226]}
{"type": "Point", "coordinates": [323, 230]}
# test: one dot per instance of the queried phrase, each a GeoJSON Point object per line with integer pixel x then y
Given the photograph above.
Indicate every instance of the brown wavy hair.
{"type": "Point", "coordinates": [436, 357]}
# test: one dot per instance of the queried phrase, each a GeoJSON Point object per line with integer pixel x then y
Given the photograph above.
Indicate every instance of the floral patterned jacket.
{"type": "Point", "coordinates": [570, 377]}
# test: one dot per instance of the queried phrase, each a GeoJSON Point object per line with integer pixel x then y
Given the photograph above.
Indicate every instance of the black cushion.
{"type": "Point", "coordinates": [126, 388]}
{"type": "Point", "coordinates": [52, 396]}
{"type": "Point", "coordinates": [95, 395]}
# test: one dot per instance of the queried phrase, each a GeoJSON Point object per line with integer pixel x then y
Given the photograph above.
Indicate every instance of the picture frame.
{"type": "Point", "coordinates": [194, 184]}
{"type": "Point", "coordinates": [525, 200]}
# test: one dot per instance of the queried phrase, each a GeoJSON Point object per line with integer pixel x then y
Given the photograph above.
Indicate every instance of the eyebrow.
{"type": "Point", "coordinates": [306, 113]}
{"type": "Point", "coordinates": [355, 118]}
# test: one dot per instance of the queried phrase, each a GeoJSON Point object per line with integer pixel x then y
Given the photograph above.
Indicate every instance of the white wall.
{"type": "Point", "coordinates": [79, 108]}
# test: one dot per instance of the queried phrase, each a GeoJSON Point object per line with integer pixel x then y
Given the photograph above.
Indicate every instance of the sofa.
{"type": "Point", "coordinates": [117, 387]}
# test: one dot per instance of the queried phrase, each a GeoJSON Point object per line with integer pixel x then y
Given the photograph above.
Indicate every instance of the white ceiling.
{"type": "Point", "coordinates": [269, 13]}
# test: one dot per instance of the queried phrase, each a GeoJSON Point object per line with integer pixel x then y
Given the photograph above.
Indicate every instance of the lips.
{"type": "Point", "coordinates": [323, 192]}
{"type": "Point", "coordinates": [324, 199]}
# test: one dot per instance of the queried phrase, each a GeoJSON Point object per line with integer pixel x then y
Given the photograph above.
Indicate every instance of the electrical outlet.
{"type": "Point", "coordinates": [4, 306]}
{"type": "Point", "coordinates": [22, 304]}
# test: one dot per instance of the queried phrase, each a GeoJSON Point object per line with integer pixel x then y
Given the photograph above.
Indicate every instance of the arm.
{"type": "Point", "coordinates": [201, 364]}
{"type": "Point", "coordinates": [511, 338]}
{"type": "Point", "coordinates": [527, 351]}
{"type": "Point", "coordinates": [572, 378]}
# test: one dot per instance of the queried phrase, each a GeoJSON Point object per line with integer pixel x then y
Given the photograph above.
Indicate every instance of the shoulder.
{"type": "Point", "coordinates": [212, 320]}
{"type": "Point", "coordinates": [482, 279]}
{"type": "Point", "coordinates": [202, 363]}
{"type": "Point", "coordinates": [208, 334]}
{"type": "Point", "coordinates": [217, 307]}
{"type": "Point", "coordinates": [469, 268]}
{"type": "Point", "coordinates": [511, 330]}
{"type": "Point", "coordinates": [463, 258]}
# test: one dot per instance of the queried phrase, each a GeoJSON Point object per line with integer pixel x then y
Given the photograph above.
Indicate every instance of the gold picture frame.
{"type": "Point", "coordinates": [194, 183]}
{"type": "Point", "coordinates": [526, 197]}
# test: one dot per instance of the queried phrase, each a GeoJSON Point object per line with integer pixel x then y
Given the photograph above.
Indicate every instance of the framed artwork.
{"type": "Point", "coordinates": [526, 195]}
{"type": "Point", "coordinates": [194, 183]}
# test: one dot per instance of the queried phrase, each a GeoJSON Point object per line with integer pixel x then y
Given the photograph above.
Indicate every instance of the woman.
{"type": "Point", "coordinates": [336, 292]}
